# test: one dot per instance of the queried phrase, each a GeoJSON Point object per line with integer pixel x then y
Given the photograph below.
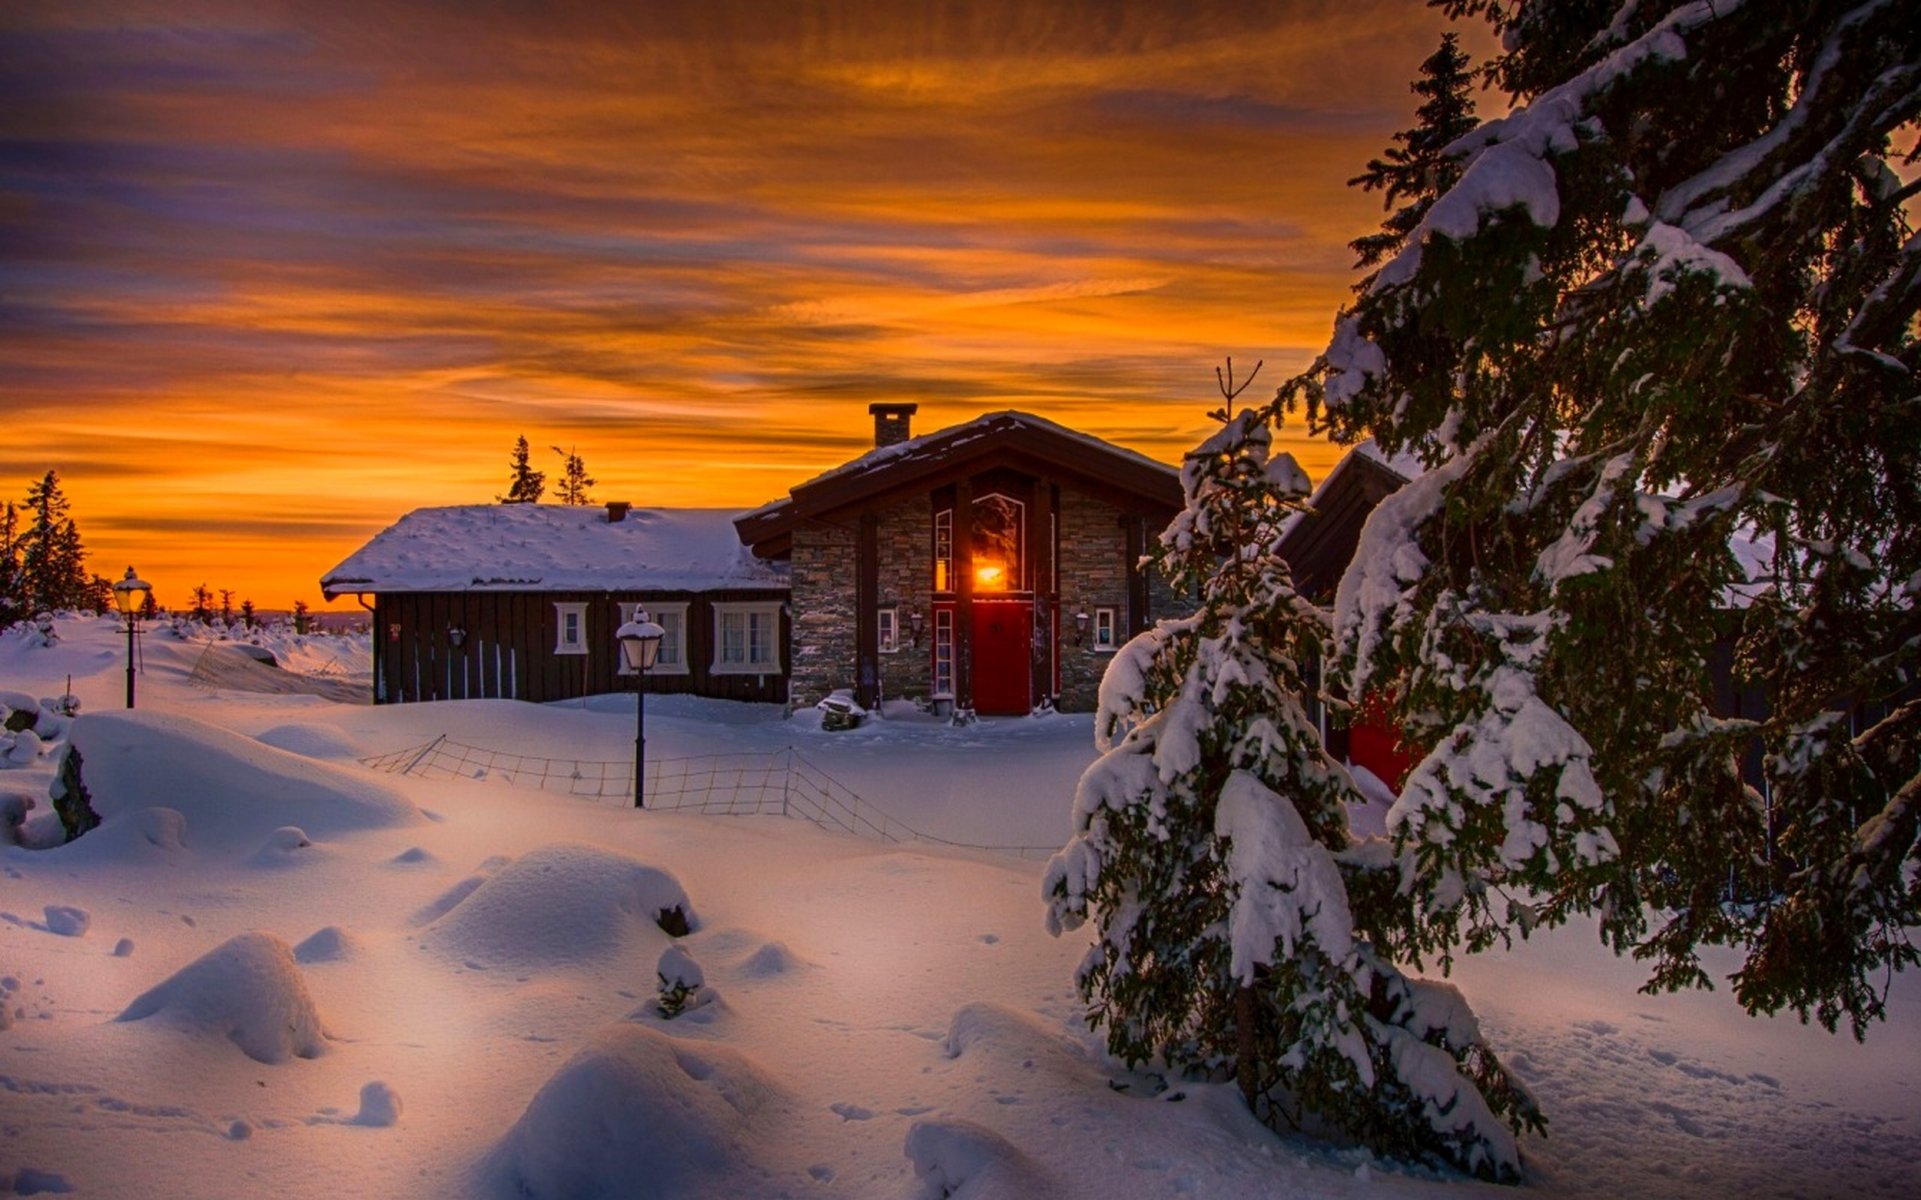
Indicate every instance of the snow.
{"type": "Point", "coordinates": [553, 547]}
{"type": "Point", "coordinates": [896, 1019]}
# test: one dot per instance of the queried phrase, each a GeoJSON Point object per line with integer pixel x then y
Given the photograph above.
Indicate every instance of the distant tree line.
{"type": "Point", "coordinates": [43, 563]}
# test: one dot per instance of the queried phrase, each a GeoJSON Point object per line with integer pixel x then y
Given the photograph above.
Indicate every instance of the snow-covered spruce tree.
{"type": "Point", "coordinates": [1212, 854]}
{"type": "Point", "coordinates": [527, 484]}
{"type": "Point", "coordinates": [1661, 330]}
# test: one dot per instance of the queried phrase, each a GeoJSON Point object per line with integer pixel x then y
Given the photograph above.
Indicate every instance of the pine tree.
{"type": "Point", "coordinates": [574, 484]}
{"type": "Point", "coordinates": [301, 616]}
{"type": "Point", "coordinates": [52, 560]}
{"type": "Point", "coordinates": [246, 613]}
{"type": "Point", "coordinates": [226, 606]}
{"type": "Point", "coordinates": [13, 606]}
{"type": "Point", "coordinates": [527, 484]}
{"type": "Point", "coordinates": [1418, 169]}
{"type": "Point", "coordinates": [202, 610]}
{"type": "Point", "coordinates": [1212, 853]}
{"type": "Point", "coordinates": [1667, 311]}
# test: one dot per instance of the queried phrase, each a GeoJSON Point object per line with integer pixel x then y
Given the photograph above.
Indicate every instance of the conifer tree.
{"type": "Point", "coordinates": [527, 484]}
{"type": "Point", "coordinates": [202, 610]}
{"type": "Point", "coordinates": [1418, 168]}
{"type": "Point", "coordinates": [52, 560]}
{"type": "Point", "coordinates": [1212, 854]}
{"type": "Point", "coordinates": [1657, 343]}
{"type": "Point", "coordinates": [226, 606]}
{"type": "Point", "coordinates": [576, 481]}
{"type": "Point", "coordinates": [13, 606]}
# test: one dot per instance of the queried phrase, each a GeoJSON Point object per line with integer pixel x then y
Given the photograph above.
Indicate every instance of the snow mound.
{"type": "Point", "coordinates": [311, 741]}
{"type": "Point", "coordinates": [994, 1031]}
{"type": "Point", "coordinates": [379, 1106]}
{"type": "Point", "coordinates": [561, 904]}
{"type": "Point", "coordinates": [971, 1162]}
{"type": "Point", "coordinates": [286, 845]}
{"type": "Point", "coordinates": [640, 1114]}
{"type": "Point", "coordinates": [773, 958]}
{"type": "Point", "coordinates": [232, 790]}
{"type": "Point", "coordinates": [330, 944]}
{"type": "Point", "coordinates": [246, 989]}
{"type": "Point", "coordinates": [444, 903]}
{"type": "Point", "coordinates": [68, 921]}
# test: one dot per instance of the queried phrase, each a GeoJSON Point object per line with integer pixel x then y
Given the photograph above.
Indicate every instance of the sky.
{"type": "Point", "coordinates": [274, 274]}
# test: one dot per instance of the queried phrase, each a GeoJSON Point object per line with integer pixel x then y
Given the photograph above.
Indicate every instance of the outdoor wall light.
{"type": "Point", "coordinates": [456, 636]}
{"type": "Point", "coordinates": [1081, 620]}
{"type": "Point", "coordinates": [914, 623]}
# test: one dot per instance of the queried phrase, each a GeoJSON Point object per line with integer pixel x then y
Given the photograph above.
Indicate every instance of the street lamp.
{"type": "Point", "coordinates": [129, 595]}
{"type": "Point", "coordinates": [639, 646]}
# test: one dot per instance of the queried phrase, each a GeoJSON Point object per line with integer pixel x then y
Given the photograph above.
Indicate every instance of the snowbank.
{"type": "Point", "coordinates": [561, 905]}
{"type": "Point", "coordinates": [247, 990]}
{"type": "Point", "coordinates": [229, 791]}
{"type": "Point", "coordinates": [639, 1114]}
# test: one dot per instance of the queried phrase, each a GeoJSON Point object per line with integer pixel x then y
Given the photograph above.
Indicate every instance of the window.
{"type": "Point", "coordinates": [672, 618]}
{"type": "Point", "coordinates": [746, 638]}
{"type": "Point", "coordinates": [570, 621]}
{"type": "Point", "coordinates": [999, 535]}
{"type": "Point", "coordinates": [887, 621]}
{"type": "Point", "coordinates": [944, 550]}
{"type": "Point", "coordinates": [944, 652]}
{"type": "Point", "coordinates": [1106, 630]}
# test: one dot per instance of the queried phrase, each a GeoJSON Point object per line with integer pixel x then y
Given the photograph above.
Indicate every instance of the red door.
{"type": "Point", "coordinates": [1002, 637]}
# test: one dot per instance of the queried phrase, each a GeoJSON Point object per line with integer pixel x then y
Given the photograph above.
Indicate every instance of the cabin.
{"type": "Point", "coordinates": [989, 568]}
{"type": "Point", "coordinates": [521, 601]}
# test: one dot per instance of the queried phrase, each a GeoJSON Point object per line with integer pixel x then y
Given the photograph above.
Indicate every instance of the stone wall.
{"type": "Point", "coordinates": [1093, 574]}
{"type": "Point", "coordinates": [906, 578]}
{"type": "Point", "coordinates": [822, 578]}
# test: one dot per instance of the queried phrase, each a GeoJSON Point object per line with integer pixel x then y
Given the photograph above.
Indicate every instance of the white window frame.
{"type": "Point", "coordinates": [887, 629]}
{"type": "Point", "coordinates": [944, 654]}
{"type": "Point", "coordinates": [675, 639]}
{"type": "Point", "coordinates": [562, 643]}
{"type": "Point", "coordinates": [748, 609]}
{"type": "Point", "coordinates": [1107, 630]}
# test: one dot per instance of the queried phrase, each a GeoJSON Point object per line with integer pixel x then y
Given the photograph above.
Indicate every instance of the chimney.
{"type": "Point", "coordinates": [617, 511]}
{"type": "Point", "coordinates": [891, 423]}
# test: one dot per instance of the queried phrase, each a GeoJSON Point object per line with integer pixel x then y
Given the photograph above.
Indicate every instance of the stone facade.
{"type": "Point", "coordinates": [906, 578]}
{"type": "Point", "coordinates": [822, 599]}
{"type": "Point", "coordinates": [1093, 574]}
{"type": "Point", "coordinates": [1091, 569]}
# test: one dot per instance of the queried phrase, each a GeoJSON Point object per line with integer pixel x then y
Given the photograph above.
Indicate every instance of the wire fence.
{"type": "Point", "coordinates": [782, 783]}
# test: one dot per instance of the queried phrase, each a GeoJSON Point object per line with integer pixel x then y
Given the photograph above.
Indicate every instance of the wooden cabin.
{"type": "Point", "coordinates": [521, 601]}
{"type": "Point", "coordinates": [992, 567]}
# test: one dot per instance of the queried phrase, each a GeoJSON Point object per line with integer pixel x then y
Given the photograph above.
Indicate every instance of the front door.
{"type": "Point", "coordinates": [1002, 644]}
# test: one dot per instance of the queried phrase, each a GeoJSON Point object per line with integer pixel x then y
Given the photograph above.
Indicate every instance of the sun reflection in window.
{"type": "Point", "coordinates": [991, 576]}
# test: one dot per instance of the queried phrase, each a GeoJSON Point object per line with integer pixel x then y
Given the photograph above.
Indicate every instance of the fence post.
{"type": "Point", "coordinates": [787, 783]}
{"type": "Point", "coordinates": [424, 752]}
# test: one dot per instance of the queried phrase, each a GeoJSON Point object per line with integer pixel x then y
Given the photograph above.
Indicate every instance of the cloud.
{"type": "Point", "coordinates": [275, 274]}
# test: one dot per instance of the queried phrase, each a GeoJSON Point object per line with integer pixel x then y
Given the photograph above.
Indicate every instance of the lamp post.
{"type": "Point", "coordinates": [129, 595]}
{"type": "Point", "coordinates": [639, 646]}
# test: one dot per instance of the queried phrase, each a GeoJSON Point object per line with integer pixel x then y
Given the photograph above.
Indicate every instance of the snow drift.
{"type": "Point", "coordinates": [247, 990]}
{"type": "Point", "coordinates": [639, 1114]}
{"type": "Point", "coordinates": [230, 791]}
{"type": "Point", "coordinates": [558, 905]}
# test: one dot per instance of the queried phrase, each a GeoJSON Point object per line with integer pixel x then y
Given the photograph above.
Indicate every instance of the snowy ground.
{"type": "Point", "coordinates": [444, 988]}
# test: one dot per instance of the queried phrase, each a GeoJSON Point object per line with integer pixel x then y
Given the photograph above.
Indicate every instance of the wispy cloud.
{"type": "Point", "coordinates": [272, 274]}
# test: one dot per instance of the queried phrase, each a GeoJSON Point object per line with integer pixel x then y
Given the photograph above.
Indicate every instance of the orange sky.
{"type": "Point", "coordinates": [275, 274]}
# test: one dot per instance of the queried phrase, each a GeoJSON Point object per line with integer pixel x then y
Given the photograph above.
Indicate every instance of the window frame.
{"type": "Point", "coordinates": [748, 609]}
{"type": "Point", "coordinates": [887, 628]}
{"type": "Point", "coordinates": [1106, 633]}
{"type": "Point", "coordinates": [578, 610]}
{"type": "Point", "coordinates": [676, 639]}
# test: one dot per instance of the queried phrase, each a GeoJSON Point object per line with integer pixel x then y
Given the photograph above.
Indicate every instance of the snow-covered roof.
{"type": "Point", "coordinates": [551, 548]}
{"type": "Point", "coordinates": [946, 441]}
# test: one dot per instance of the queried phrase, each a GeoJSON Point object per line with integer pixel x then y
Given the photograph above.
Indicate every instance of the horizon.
{"type": "Point", "coordinates": [284, 275]}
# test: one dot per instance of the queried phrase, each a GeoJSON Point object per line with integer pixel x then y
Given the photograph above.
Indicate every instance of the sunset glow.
{"type": "Point", "coordinates": [278, 273]}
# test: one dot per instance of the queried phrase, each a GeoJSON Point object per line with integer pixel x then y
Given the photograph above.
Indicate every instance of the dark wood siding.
{"type": "Point", "coordinates": [508, 648]}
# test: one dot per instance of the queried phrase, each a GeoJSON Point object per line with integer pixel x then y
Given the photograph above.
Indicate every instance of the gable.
{"type": "Point", "coordinates": [1013, 441]}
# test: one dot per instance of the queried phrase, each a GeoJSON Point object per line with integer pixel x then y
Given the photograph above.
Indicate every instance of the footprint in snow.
{"type": "Point", "coordinates": [852, 1112]}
